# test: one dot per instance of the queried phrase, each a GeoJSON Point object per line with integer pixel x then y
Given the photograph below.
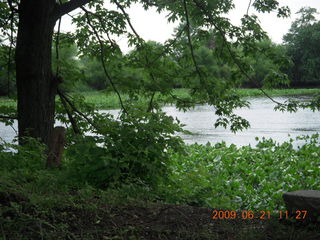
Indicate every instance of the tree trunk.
{"type": "Point", "coordinates": [35, 82]}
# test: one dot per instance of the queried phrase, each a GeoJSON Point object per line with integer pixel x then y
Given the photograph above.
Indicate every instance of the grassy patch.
{"type": "Point", "coordinates": [8, 102]}
{"type": "Point", "coordinates": [110, 100]}
{"type": "Point", "coordinates": [277, 92]}
{"type": "Point", "coordinates": [104, 100]}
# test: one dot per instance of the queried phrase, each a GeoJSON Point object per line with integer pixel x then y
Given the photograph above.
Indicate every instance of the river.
{"type": "Point", "coordinates": [264, 121]}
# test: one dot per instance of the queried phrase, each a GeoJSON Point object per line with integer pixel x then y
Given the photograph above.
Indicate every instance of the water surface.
{"type": "Point", "coordinates": [264, 121]}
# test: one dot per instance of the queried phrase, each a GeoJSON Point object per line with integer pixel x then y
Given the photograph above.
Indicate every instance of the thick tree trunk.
{"type": "Point", "coordinates": [35, 82]}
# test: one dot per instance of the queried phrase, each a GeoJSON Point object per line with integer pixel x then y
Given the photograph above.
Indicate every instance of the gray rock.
{"type": "Point", "coordinates": [308, 200]}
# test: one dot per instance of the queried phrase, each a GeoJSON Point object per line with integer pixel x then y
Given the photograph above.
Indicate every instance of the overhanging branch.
{"type": "Point", "coordinates": [67, 7]}
{"type": "Point", "coordinates": [102, 57]}
{"type": "Point", "coordinates": [73, 107]}
{"type": "Point", "coordinates": [147, 65]}
{"type": "Point", "coordinates": [231, 53]}
{"type": "Point", "coordinates": [190, 41]}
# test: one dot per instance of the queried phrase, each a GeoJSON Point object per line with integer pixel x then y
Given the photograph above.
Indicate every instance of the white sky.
{"type": "Point", "coordinates": [151, 25]}
{"type": "Point", "coordinates": [274, 26]}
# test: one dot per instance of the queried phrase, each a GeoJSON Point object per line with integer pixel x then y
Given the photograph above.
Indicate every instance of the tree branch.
{"type": "Point", "coordinates": [74, 125]}
{"type": "Point", "coordinates": [9, 117]}
{"type": "Point", "coordinates": [67, 7]}
{"type": "Point", "coordinates": [73, 107]}
{"type": "Point", "coordinates": [112, 43]}
{"type": "Point", "coordinates": [190, 42]}
{"type": "Point", "coordinates": [147, 65]}
{"type": "Point", "coordinates": [249, 5]}
{"type": "Point", "coordinates": [128, 20]}
{"type": "Point", "coordinates": [103, 60]}
{"type": "Point", "coordinates": [231, 53]}
{"type": "Point", "coordinates": [151, 103]}
{"type": "Point", "coordinates": [57, 44]}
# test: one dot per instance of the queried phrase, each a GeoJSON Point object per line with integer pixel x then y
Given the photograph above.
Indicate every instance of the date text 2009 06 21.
{"type": "Point", "coordinates": [248, 214]}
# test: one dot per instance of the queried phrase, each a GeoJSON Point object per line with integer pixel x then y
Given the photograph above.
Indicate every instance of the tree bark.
{"type": "Point", "coordinates": [36, 86]}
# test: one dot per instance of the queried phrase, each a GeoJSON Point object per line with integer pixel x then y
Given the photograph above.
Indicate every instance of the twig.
{"type": "Point", "coordinates": [109, 38]}
{"type": "Point", "coordinates": [102, 25]}
{"type": "Point", "coordinates": [103, 61]}
{"type": "Point", "coordinates": [13, 11]}
{"type": "Point", "coordinates": [57, 46]}
{"type": "Point", "coordinates": [80, 113]}
{"type": "Point", "coordinates": [75, 128]}
{"type": "Point", "coordinates": [128, 19]}
{"type": "Point", "coordinates": [147, 65]}
{"type": "Point", "coordinates": [138, 36]}
{"type": "Point", "coordinates": [169, 2]}
{"type": "Point", "coordinates": [151, 103]}
{"type": "Point", "coordinates": [74, 125]}
{"type": "Point", "coordinates": [189, 39]}
{"type": "Point", "coordinates": [234, 57]}
{"type": "Point", "coordinates": [16, 132]}
{"type": "Point", "coordinates": [76, 110]}
{"type": "Point", "coordinates": [249, 7]}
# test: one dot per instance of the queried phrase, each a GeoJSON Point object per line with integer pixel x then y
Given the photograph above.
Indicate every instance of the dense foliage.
{"type": "Point", "coordinates": [133, 149]}
{"type": "Point", "coordinates": [302, 43]}
{"type": "Point", "coordinates": [244, 178]}
{"type": "Point", "coordinates": [7, 71]}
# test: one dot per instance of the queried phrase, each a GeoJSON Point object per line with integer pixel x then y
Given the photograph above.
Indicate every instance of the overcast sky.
{"type": "Point", "coordinates": [274, 26]}
{"type": "Point", "coordinates": [153, 26]}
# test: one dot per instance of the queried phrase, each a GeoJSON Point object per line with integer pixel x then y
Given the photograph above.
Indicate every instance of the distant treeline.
{"type": "Point", "coordinates": [295, 63]}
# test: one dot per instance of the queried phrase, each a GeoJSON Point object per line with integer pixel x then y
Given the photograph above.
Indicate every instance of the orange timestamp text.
{"type": "Point", "coordinates": [248, 214]}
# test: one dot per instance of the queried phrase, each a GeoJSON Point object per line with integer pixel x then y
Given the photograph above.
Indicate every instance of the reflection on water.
{"type": "Point", "coordinates": [264, 121]}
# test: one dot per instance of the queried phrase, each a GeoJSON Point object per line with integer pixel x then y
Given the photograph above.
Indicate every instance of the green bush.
{"type": "Point", "coordinates": [29, 157]}
{"type": "Point", "coordinates": [137, 147]}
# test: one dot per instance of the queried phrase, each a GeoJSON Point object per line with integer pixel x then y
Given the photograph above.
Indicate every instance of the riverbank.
{"type": "Point", "coordinates": [110, 100]}
{"type": "Point", "coordinates": [104, 100]}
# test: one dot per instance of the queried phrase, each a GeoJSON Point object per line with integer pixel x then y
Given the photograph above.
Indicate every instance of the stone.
{"type": "Point", "coordinates": [308, 200]}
